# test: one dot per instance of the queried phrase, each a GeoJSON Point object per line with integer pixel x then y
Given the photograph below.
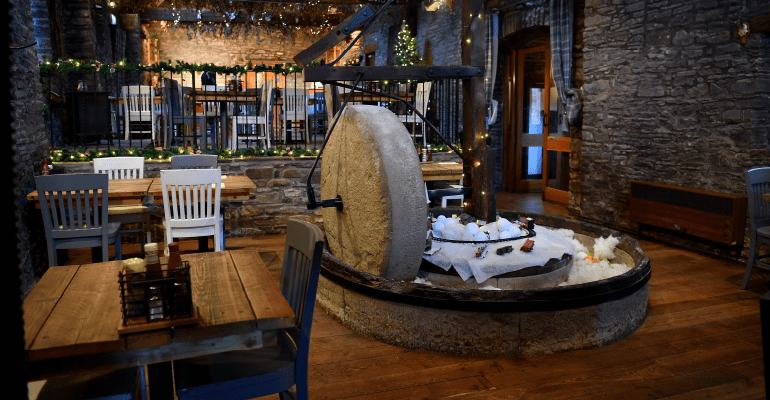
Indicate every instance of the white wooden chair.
{"type": "Point", "coordinates": [252, 119]}
{"type": "Point", "coordinates": [74, 209]}
{"type": "Point", "coordinates": [139, 110]}
{"type": "Point", "coordinates": [294, 110]}
{"type": "Point", "coordinates": [191, 201]}
{"type": "Point", "coordinates": [126, 168]}
{"type": "Point", "coordinates": [421, 104]}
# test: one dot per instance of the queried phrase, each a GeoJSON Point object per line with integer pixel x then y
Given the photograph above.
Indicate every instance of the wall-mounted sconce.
{"type": "Point", "coordinates": [431, 5]}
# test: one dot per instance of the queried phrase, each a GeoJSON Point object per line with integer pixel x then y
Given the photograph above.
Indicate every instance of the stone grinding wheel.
{"type": "Point", "coordinates": [371, 163]}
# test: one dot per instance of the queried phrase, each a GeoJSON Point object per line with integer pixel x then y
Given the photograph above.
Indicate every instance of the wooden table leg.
{"type": "Point", "coordinates": [160, 381]}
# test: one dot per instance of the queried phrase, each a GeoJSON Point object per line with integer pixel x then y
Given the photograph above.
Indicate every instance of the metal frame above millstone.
{"type": "Point", "coordinates": [329, 74]}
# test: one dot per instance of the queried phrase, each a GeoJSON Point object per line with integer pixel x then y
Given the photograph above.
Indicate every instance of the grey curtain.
{"type": "Point", "coordinates": [561, 21]}
{"type": "Point", "coordinates": [490, 67]}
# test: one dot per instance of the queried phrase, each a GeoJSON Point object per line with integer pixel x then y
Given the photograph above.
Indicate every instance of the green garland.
{"type": "Point", "coordinates": [91, 66]}
{"type": "Point", "coordinates": [83, 155]}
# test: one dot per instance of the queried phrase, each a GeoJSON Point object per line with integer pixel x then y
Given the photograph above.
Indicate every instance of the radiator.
{"type": "Point", "coordinates": [714, 216]}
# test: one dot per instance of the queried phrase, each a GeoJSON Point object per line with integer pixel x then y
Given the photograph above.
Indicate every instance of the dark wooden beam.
{"type": "Point", "coordinates": [334, 36]}
{"type": "Point", "coordinates": [480, 173]}
{"type": "Point", "coordinates": [330, 74]}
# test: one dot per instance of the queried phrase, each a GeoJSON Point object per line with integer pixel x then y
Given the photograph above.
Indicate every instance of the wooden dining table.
{"type": "Point", "coordinates": [148, 190]}
{"type": "Point", "coordinates": [73, 314]}
{"type": "Point", "coordinates": [234, 188]}
{"type": "Point", "coordinates": [120, 192]}
{"type": "Point", "coordinates": [222, 97]}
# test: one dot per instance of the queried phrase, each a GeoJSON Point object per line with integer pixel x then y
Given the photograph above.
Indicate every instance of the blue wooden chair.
{"type": "Point", "coordinates": [261, 372]}
{"type": "Point", "coordinates": [74, 209]}
{"type": "Point", "coordinates": [757, 184]}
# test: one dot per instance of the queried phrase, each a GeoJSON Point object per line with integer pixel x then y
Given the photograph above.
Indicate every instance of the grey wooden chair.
{"type": "Point", "coordinates": [246, 374]}
{"type": "Point", "coordinates": [126, 168]}
{"type": "Point", "coordinates": [757, 184]}
{"type": "Point", "coordinates": [74, 209]}
{"type": "Point", "coordinates": [195, 161]}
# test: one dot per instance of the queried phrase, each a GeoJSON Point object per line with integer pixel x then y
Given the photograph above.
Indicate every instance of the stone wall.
{"type": "Point", "coordinates": [209, 47]}
{"type": "Point", "coordinates": [27, 130]}
{"type": "Point", "coordinates": [672, 97]}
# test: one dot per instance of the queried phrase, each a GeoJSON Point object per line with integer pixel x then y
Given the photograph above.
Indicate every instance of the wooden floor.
{"type": "Point", "coordinates": [701, 340]}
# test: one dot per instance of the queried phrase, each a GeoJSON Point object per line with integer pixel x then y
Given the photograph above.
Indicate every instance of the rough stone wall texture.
{"type": "Point", "coordinates": [27, 129]}
{"type": "Point", "coordinates": [378, 34]}
{"type": "Point", "coordinates": [207, 47]}
{"type": "Point", "coordinates": [438, 35]}
{"type": "Point", "coordinates": [42, 26]}
{"type": "Point", "coordinates": [672, 97]}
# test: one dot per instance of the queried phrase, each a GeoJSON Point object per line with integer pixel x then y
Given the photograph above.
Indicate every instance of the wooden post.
{"type": "Point", "coordinates": [479, 170]}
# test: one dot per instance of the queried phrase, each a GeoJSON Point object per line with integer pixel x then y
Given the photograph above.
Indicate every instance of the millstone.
{"type": "Point", "coordinates": [371, 163]}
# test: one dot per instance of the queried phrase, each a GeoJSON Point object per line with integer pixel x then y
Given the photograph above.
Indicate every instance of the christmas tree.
{"type": "Point", "coordinates": [406, 48]}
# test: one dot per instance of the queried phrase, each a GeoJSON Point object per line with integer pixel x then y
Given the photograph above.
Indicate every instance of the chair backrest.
{"type": "Point", "coordinates": [73, 205]}
{"type": "Point", "coordinates": [120, 167]}
{"type": "Point", "coordinates": [295, 103]}
{"type": "Point", "coordinates": [194, 161]}
{"type": "Point", "coordinates": [299, 276]}
{"type": "Point", "coordinates": [266, 98]}
{"type": "Point", "coordinates": [757, 184]}
{"type": "Point", "coordinates": [421, 96]}
{"type": "Point", "coordinates": [173, 90]}
{"type": "Point", "coordinates": [319, 104]}
{"type": "Point", "coordinates": [191, 197]}
{"type": "Point", "coordinates": [138, 99]}
{"type": "Point", "coordinates": [329, 101]}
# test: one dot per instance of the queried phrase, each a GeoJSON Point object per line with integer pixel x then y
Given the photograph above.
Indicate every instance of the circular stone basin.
{"type": "Point", "coordinates": [515, 323]}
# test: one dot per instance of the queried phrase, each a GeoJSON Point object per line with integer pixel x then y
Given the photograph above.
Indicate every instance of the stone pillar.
{"type": "Point", "coordinates": [29, 140]}
{"type": "Point", "coordinates": [131, 24]}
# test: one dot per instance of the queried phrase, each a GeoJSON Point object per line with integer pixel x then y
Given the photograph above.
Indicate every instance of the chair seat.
{"type": "Point", "coordinates": [198, 376]}
{"type": "Point", "coordinates": [125, 383]}
{"type": "Point", "coordinates": [76, 243]}
{"type": "Point", "coordinates": [764, 232]}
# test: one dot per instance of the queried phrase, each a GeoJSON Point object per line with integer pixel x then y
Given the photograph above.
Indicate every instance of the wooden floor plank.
{"type": "Point", "coordinates": [701, 340]}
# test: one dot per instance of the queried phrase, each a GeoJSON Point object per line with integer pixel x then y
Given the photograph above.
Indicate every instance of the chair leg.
{"type": "Point", "coordinates": [118, 249]}
{"type": "Point", "coordinates": [750, 263]}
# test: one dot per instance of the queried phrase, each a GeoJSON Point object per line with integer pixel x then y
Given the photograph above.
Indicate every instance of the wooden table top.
{"type": "Point", "coordinates": [134, 191]}
{"type": "Point", "coordinates": [441, 171]}
{"type": "Point", "coordinates": [234, 187]}
{"type": "Point", "coordinates": [72, 316]}
{"type": "Point", "coordinates": [121, 191]}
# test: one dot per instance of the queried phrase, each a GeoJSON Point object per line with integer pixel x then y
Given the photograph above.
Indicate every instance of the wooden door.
{"type": "Point", "coordinates": [526, 117]}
